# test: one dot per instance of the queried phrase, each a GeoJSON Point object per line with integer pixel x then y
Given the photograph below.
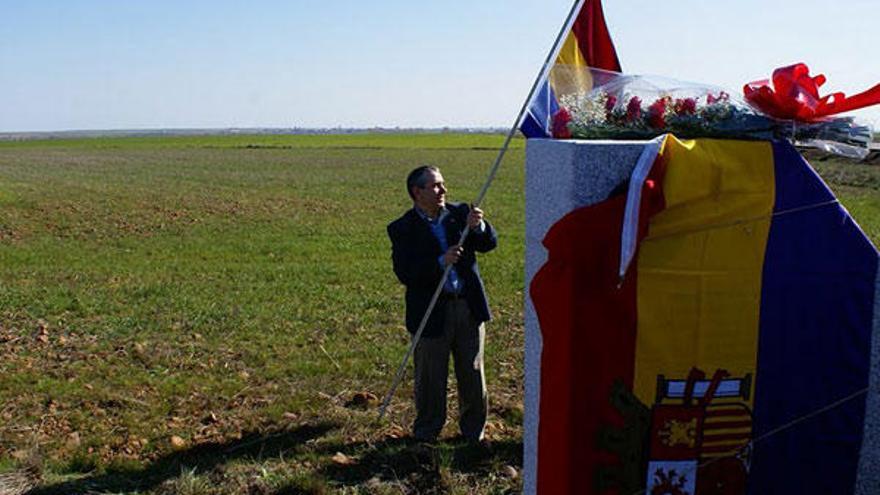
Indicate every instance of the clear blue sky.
{"type": "Point", "coordinates": [109, 64]}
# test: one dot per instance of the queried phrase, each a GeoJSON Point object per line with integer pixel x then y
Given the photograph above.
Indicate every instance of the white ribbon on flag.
{"type": "Point", "coordinates": [629, 233]}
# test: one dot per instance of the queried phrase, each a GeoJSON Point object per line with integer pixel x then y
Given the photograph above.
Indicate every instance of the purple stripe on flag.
{"type": "Point", "coordinates": [815, 333]}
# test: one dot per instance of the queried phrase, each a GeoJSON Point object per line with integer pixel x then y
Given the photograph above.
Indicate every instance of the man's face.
{"type": "Point", "coordinates": [432, 197]}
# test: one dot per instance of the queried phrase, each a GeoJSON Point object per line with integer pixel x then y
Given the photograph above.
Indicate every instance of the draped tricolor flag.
{"type": "Point", "coordinates": [734, 355]}
{"type": "Point", "coordinates": [587, 45]}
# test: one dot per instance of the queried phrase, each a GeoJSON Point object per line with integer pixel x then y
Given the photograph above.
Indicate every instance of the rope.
{"type": "Point", "coordinates": [742, 221]}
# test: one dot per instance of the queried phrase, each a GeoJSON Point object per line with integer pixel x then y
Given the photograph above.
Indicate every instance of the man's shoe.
{"type": "Point", "coordinates": [481, 449]}
{"type": "Point", "coordinates": [422, 445]}
{"type": "Point", "coordinates": [423, 450]}
{"type": "Point", "coordinates": [424, 440]}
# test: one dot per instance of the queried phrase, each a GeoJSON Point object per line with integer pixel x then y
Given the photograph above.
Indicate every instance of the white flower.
{"type": "Point", "coordinates": [586, 109]}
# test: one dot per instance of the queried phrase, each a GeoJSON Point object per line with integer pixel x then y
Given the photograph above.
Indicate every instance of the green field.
{"type": "Point", "coordinates": [196, 314]}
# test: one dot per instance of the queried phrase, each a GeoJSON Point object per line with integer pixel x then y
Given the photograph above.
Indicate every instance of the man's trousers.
{"type": "Point", "coordinates": [463, 337]}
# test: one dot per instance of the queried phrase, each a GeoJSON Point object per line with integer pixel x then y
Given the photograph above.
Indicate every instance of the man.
{"type": "Point", "coordinates": [423, 242]}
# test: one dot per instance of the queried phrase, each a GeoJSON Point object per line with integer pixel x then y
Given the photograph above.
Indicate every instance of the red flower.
{"type": "Point", "coordinates": [634, 109]}
{"type": "Point", "coordinates": [685, 106]}
{"type": "Point", "coordinates": [722, 96]}
{"type": "Point", "coordinates": [560, 124]}
{"type": "Point", "coordinates": [657, 113]}
{"type": "Point", "coordinates": [610, 103]}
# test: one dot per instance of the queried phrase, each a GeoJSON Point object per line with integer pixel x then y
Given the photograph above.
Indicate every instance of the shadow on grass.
{"type": "Point", "coordinates": [416, 465]}
{"type": "Point", "coordinates": [202, 457]}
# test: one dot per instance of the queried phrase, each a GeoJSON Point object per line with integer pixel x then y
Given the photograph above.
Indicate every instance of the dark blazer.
{"type": "Point", "coordinates": [414, 253]}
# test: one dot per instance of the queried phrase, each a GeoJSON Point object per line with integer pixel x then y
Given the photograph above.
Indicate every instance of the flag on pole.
{"type": "Point", "coordinates": [587, 45]}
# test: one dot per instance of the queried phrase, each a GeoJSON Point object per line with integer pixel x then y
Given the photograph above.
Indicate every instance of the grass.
{"type": "Point", "coordinates": [422, 141]}
{"type": "Point", "coordinates": [205, 289]}
{"type": "Point", "coordinates": [194, 314]}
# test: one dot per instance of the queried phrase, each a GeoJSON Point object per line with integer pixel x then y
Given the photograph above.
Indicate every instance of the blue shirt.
{"type": "Point", "coordinates": [453, 283]}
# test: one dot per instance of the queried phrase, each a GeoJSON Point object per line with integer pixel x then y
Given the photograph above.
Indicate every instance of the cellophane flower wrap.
{"type": "Point", "coordinates": [596, 104]}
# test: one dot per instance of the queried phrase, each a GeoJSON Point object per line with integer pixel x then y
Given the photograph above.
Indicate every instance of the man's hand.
{"type": "Point", "coordinates": [475, 216]}
{"type": "Point", "coordinates": [452, 255]}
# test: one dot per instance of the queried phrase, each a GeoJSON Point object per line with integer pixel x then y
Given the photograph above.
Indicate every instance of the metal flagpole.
{"type": "Point", "coordinates": [542, 75]}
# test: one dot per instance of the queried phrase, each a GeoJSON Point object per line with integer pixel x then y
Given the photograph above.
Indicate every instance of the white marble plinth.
{"type": "Point", "coordinates": [560, 176]}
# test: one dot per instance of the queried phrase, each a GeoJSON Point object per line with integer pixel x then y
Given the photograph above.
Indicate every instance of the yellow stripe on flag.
{"type": "Point", "coordinates": [700, 266]}
{"type": "Point", "coordinates": [570, 74]}
{"type": "Point", "coordinates": [570, 53]}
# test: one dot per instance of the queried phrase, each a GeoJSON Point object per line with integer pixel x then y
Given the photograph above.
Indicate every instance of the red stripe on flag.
{"type": "Point", "coordinates": [727, 424]}
{"type": "Point", "coordinates": [723, 449]}
{"type": "Point", "coordinates": [726, 412]}
{"type": "Point", "coordinates": [588, 323]}
{"type": "Point", "coordinates": [593, 37]}
{"type": "Point", "coordinates": [723, 437]}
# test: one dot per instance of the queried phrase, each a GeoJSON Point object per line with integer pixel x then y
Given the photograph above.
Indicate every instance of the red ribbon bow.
{"type": "Point", "coordinates": [795, 96]}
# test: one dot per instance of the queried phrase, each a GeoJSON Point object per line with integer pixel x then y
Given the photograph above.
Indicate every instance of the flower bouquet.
{"type": "Point", "coordinates": [596, 104]}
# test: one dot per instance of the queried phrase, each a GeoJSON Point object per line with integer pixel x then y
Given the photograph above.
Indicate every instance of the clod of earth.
{"type": "Point", "coordinates": [177, 442]}
{"type": "Point", "coordinates": [362, 400]}
{"type": "Point", "coordinates": [342, 459]}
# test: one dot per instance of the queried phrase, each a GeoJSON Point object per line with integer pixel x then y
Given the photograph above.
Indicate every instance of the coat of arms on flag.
{"type": "Point", "coordinates": [699, 436]}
